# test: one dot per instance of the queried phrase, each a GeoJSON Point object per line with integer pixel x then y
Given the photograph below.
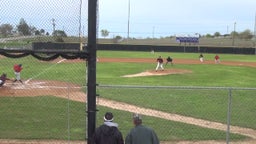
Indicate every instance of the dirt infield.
{"type": "Point", "coordinates": [73, 92]}
{"type": "Point", "coordinates": [37, 88]}
{"type": "Point", "coordinates": [176, 61]}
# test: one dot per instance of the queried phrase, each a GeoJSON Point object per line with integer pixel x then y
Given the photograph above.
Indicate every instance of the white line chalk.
{"type": "Point", "coordinates": [60, 61]}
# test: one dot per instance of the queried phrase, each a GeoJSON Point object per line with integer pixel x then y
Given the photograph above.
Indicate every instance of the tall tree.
{"type": "Point", "coordinates": [117, 39]}
{"type": "Point", "coordinates": [32, 30]}
{"type": "Point", "coordinates": [104, 33]}
{"type": "Point", "coordinates": [247, 34]}
{"type": "Point", "coordinates": [23, 27]}
{"type": "Point", "coordinates": [37, 32]}
{"type": "Point", "coordinates": [6, 29]}
{"type": "Point", "coordinates": [59, 33]}
{"type": "Point", "coordinates": [217, 34]}
{"type": "Point", "coordinates": [42, 31]}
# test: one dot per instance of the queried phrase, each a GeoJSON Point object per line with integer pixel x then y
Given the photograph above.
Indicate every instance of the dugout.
{"type": "Point", "coordinates": [56, 46]}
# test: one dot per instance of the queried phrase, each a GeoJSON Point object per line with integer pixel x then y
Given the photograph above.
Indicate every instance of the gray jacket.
{"type": "Point", "coordinates": [141, 135]}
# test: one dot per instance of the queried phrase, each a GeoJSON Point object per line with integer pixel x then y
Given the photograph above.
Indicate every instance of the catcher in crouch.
{"type": "Point", "coordinates": [3, 78]}
{"type": "Point", "coordinates": [159, 63]}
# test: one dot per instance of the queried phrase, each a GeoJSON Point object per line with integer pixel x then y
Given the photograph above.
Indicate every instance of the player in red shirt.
{"type": "Point", "coordinates": [217, 59]}
{"type": "Point", "coordinates": [160, 62]}
{"type": "Point", "coordinates": [17, 70]}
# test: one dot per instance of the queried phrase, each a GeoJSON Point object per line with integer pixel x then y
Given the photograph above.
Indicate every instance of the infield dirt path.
{"type": "Point", "coordinates": [176, 61]}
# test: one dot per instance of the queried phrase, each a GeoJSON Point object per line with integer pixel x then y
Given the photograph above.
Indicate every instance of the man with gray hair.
{"type": "Point", "coordinates": [141, 134]}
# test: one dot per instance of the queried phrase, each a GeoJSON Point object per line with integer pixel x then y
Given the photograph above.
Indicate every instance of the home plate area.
{"type": "Point", "coordinates": [37, 88]}
{"type": "Point", "coordinates": [30, 85]}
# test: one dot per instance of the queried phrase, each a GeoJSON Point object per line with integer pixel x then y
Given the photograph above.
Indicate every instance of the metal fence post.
{"type": "Point", "coordinates": [91, 85]}
{"type": "Point", "coordinates": [229, 114]}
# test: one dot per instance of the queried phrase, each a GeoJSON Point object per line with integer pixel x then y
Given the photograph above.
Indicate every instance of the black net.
{"type": "Point", "coordinates": [43, 54]}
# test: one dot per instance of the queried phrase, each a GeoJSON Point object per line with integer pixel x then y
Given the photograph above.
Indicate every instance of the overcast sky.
{"type": "Point", "coordinates": [170, 17]}
{"type": "Point", "coordinates": [148, 18]}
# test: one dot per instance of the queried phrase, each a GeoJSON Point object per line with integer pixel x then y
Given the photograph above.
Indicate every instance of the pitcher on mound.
{"type": "Point", "coordinates": [160, 62]}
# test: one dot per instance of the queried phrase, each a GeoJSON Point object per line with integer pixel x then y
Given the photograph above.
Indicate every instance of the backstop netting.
{"type": "Point", "coordinates": [43, 21]}
{"type": "Point", "coordinates": [183, 114]}
{"type": "Point", "coordinates": [47, 103]}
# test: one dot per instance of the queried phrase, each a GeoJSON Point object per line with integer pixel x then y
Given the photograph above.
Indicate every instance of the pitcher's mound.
{"type": "Point", "coordinates": [159, 72]}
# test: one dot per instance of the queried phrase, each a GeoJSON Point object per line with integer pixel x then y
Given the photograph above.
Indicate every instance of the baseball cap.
{"type": "Point", "coordinates": [108, 117]}
{"type": "Point", "coordinates": [137, 116]}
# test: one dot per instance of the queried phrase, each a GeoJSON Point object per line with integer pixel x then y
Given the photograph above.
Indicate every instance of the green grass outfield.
{"type": "Point", "coordinates": [22, 120]}
{"type": "Point", "coordinates": [208, 56]}
{"type": "Point", "coordinates": [203, 75]}
{"type": "Point", "coordinates": [47, 118]}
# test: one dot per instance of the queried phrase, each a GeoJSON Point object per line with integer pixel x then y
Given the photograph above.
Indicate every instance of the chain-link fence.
{"type": "Point", "coordinates": [184, 113]}
{"type": "Point", "coordinates": [50, 105]}
{"type": "Point", "coordinates": [25, 22]}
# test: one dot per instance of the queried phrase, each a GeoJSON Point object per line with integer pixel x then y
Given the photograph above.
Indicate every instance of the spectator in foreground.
{"type": "Point", "coordinates": [141, 134]}
{"type": "Point", "coordinates": [108, 132]}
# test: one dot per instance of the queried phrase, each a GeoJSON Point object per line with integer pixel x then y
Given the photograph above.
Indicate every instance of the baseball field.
{"type": "Point", "coordinates": [50, 106]}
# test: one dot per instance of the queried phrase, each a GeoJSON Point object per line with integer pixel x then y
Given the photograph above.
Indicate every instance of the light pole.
{"type": "Point", "coordinates": [153, 32]}
{"type": "Point", "coordinates": [233, 42]}
{"type": "Point", "coordinates": [80, 32]}
{"type": "Point", "coordinates": [255, 27]}
{"type": "Point", "coordinates": [254, 37]}
{"type": "Point", "coordinates": [53, 25]}
{"type": "Point", "coordinates": [128, 25]}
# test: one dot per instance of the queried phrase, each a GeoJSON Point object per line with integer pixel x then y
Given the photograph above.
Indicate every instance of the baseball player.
{"type": "Point", "coordinates": [217, 59]}
{"type": "Point", "coordinates": [3, 78]}
{"type": "Point", "coordinates": [201, 57]}
{"type": "Point", "coordinates": [159, 63]}
{"type": "Point", "coordinates": [17, 70]}
{"type": "Point", "coordinates": [168, 60]}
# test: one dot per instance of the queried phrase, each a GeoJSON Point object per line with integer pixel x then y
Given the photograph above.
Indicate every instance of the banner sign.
{"type": "Point", "coordinates": [187, 39]}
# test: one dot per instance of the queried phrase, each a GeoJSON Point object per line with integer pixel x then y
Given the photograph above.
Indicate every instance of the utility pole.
{"type": "Point", "coordinates": [153, 32]}
{"type": "Point", "coordinates": [128, 28]}
{"type": "Point", "coordinates": [255, 28]}
{"type": "Point", "coordinates": [233, 42]}
{"type": "Point", "coordinates": [254, 36]}
{"type": "Point", "coordinates": [53, 25]}
{"type": "Point", "coordinates": [80, 27]}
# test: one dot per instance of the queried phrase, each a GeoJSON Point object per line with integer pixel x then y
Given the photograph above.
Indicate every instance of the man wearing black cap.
{"type": "Point", "coordinates": [141, 134]}
{"type": "Point", "coordinates": [108, 132]}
